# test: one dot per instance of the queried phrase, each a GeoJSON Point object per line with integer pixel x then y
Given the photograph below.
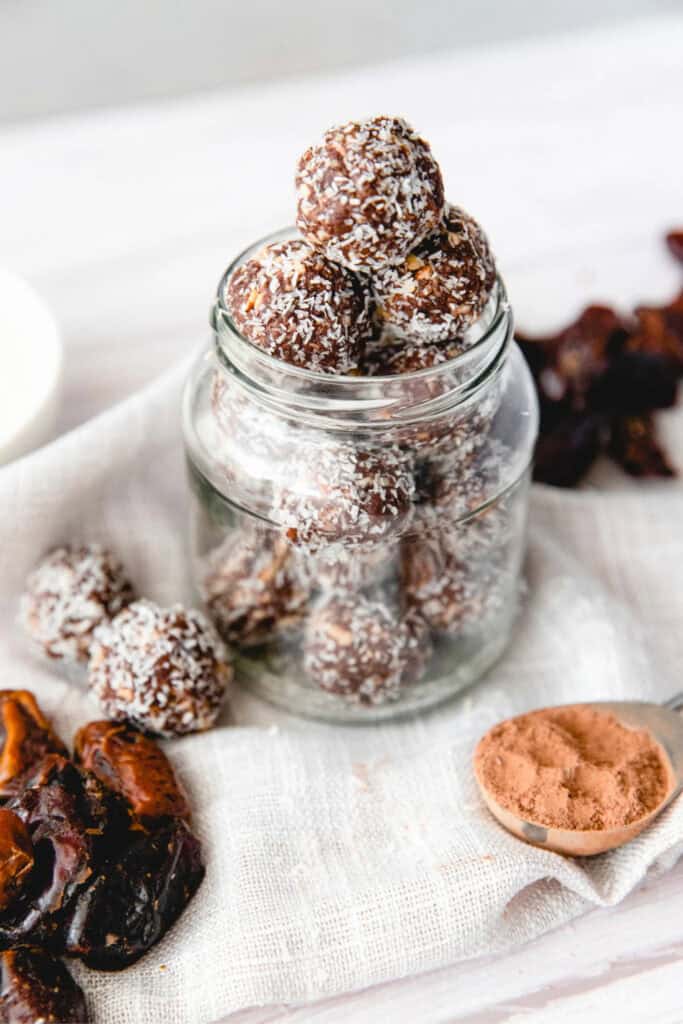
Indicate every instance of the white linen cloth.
{"type": "Point", "coordinates": [338, 857]}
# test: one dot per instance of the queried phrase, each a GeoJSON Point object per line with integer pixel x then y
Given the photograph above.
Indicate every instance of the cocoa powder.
{"type": "Point", "coordinates": [573, 768]}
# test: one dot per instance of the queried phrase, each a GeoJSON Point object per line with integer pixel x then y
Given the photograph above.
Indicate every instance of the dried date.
{"type": "Point", "coordinates": [16, 856]}
{"type": "Point", "coordinates": [26, 737]}
{"type": "Point", "coordinates": [599, 381]}
{"type": "Point", "coordinates": [134, 766]}
{"type": "Point", "coordinates": [37, 989]}
{"type": "Point", "coordinates": [96, 858]}
{"type": "Point", "coordinates": [635, 383]}
{"type": "Point", "coordinates": [659, 330]}
{"type": "Point", "coordinates": [634, 444]}
{"type": "Point", "coordinates": [73, 824]}
{"type": "Point", "coordinates": [131, 904]}
{"type": "Point", "coordinates": [567, 365]}
{"type": "Point", "coordinates": [674, 241]}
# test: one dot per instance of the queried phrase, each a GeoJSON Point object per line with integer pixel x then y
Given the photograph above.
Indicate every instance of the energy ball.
{"type": "Point", "coordinates": [245, 425]}
{"type": "Point", "coordinates": [339, 568]}
{"type": "Point", "coordinates": [368, 193]}
{"type": "Point", "coordinates": [465, 502]}
{"type": "Point", "coordinates": [163, 669]}
{"type": "Point", "coordinates": [451, 595]}
{"type": "Point", "coordinates": [68, 595]}
{"type": "Point", "coordinates": [249, 443]}
{"type": "Point", "coordinates": [361, 650]}
{"type": "Point", "coordinates": [457, 435]}
{"type": "Point", "coordinates": [343, 493]}
{"type": "Point", "coordinates": [398, 355]}
{"type": "Point", "coordinates": [461, 430]}
{"type": "Point", "coordinates": [297, 306]}
{"type": "Point", "coordinates": [460, 490]}
{"type": "Point", "coordinates": [438, 291]}
{"type": "Point", "coordinates": [254, 587]}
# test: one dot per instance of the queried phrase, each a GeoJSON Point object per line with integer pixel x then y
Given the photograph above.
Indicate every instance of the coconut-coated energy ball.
{"type": "Point", "coordinates": [339, 492]}
{"type": "Point", "coordinates": [251, 431]}
{"type": "Point", "coordinates": [299, 307]}
{"type": "Point", "coordinates": [467, 504]}
{"type": "Point", "coordinates": [254, 587]}
{"type": "Point", "coordinates": [400, 355]}
{"type": "Point", "coordinates": [441, 288]}
{"type": "Point", "coordinates": [461, 429]}
{"type": "Point", "coordinates": [457, 489]}
{"type": "Point", "coordinates": [361, 650]}
{"type": "Point", "coordinates": [336, 567]}
{"type": "Point", "coordinates": [368, 193]}
{"type": "Point", "coordinates": [451, 595]}
{"type": "Point", "coordinates": [163, 669]}
{"type": "Point", "coordinates": [457, 433]}
{"type": "Point", "coordinates": [68, 595]}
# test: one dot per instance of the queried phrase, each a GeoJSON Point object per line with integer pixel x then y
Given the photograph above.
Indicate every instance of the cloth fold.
{"type": "Point", "coordinates": [341, 857]}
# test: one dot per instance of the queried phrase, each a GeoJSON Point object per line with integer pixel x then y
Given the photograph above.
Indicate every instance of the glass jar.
{"type": "Point", "coordinates": [358, 541]}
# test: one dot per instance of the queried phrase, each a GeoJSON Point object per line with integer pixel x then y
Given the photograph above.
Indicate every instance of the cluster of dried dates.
{"type": "Point", "coordinates": [600, 381]}
{"type": "Point", "coordinates": [97, 859]}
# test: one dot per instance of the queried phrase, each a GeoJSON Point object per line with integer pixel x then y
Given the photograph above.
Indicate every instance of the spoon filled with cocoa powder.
{"type": "Point", "coordinates": [581, 779]}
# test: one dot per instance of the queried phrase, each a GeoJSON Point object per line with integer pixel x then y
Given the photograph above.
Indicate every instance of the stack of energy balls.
{"type": "Point", "coordinates": [361, 566]}
{"type": "Point", "coordinates": [162, 669]}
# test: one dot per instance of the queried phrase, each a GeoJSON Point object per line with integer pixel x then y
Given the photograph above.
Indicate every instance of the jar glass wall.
{"type": "Point", "coordinates": [358, 541]}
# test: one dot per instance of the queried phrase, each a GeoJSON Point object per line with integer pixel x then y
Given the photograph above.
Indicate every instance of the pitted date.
{"type": "Point", "coordinates": [26, 737]}
{"type": "Point", "coordinates": [134, 766]}
{"type": "Point", "coordinates": [674, 241]}
{"type": "Point", "coordinates": [37, 989]}
{"type": "Point", "coordinates": [97, 860]}
{"type": "Point", "coordinates": [16, 857]}
{"type": "Point", "coordinates": [635, 445]}
{"type": "Point", "coordinates": [600, 380]}
{"type": "Point", "coordinates": [72, 823]}
{"type": "Point", "coordinates": [132, 903]}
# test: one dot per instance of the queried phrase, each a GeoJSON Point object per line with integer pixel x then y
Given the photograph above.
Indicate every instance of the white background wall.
{"type": "Point", "coordinates": [59, 55]}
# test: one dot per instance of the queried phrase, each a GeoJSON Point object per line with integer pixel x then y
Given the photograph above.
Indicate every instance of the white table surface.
{"type": "Point", "coordinates": [570, 152]}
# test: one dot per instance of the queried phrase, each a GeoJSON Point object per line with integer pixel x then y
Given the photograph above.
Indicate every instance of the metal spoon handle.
{"type": "Point", "coordinates": [675, 702]}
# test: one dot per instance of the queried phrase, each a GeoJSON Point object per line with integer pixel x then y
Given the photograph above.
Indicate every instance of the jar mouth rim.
{"type": "Point", "coordinates": [221, 321]}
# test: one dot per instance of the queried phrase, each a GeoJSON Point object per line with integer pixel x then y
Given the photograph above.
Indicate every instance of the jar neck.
{"type": "Point", "coordinates": [337, 401]}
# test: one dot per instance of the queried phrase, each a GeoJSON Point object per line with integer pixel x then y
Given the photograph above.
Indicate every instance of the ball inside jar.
{"type": "Point", "coordinates": [452, 595]}
{"type": "Point", "coordinates": [394, 353]}
{"type": "Point", "coordinates": [368, 192]}
{"type": "Point", "coordinates": [247, 432]}
{"type": "Point", "coordinates": [344, 493]}
{"type": "Point", "coordinates": [361, 650]}
{"type": "Point", "coordinates": [464, 504]}
{"type": "Point", "coordinates": [255, 587]}
{"type": "Point", "coordinates": [336, 567]}
{"type": "Point", "coordinates": [462, 429]}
